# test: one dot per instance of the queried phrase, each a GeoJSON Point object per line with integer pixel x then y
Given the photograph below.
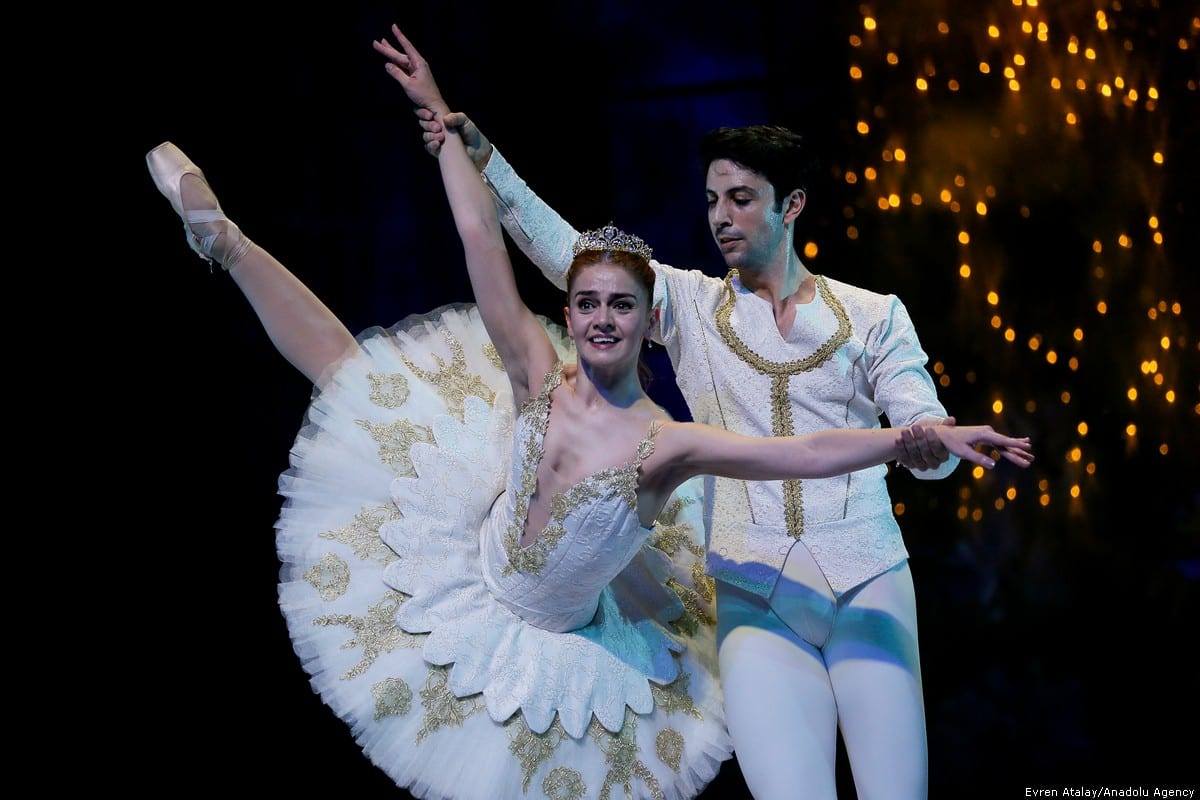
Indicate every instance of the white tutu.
{"type": "Point", "coordinates": [404, 452]}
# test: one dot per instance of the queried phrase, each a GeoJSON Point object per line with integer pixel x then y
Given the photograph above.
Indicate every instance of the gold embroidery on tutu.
{"type": "Point", "coordinates": [532, 750]}
{"type": "Point", "coordinates": [564, 783]}
{"type": "Point", "coordinates": [388, 391]}
{"type": "Point", "coordinates": [676, 696]}
{"type": "Point", "coordinates": [452, 381]}
{"type": "Point", "coordinates": [669, 746]}
{"type": "Point", "coordinates": [330, 576]}
{"type": "Point", "coordinates": [395, 440]}
{"type": "Point", "coordinates": [671, 537]}
{"type": "Point", "coordinates": [621, 753]}
{"type": "Point", "coordinates": [706, 587]}
{"type": "Point", "coordinates": [376, 632]}
{"type": "Point", "coordinates": [362, 535]}
{"type": "Point", "coordinates": [493, 355]}
{"type": "Point", "coordinates": [694, 613]}
{"type": "Point", "coordinates": [393, 698]}
{"type": "Point", "coordinates": [442, 708]}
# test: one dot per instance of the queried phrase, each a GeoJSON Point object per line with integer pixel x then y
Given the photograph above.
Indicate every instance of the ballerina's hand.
{"type": "Point", "coordinates": [964, 441]}
{"type": "Point", "coordinates": [412, 72]}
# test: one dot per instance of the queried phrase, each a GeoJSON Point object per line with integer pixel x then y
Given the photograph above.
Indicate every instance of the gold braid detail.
{"type": "Point", "coordinates": [780, 374]}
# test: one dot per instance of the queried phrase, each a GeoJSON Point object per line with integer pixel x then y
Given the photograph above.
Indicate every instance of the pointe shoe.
{"type": "Point", "coordinates": [209, 232]}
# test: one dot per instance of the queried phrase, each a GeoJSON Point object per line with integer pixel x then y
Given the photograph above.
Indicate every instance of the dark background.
{"type": "Point", "coordinates": [1057, 631]}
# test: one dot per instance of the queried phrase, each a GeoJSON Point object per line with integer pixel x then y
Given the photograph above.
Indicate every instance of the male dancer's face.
{"type": "Point", "coordinates": [743, 218]}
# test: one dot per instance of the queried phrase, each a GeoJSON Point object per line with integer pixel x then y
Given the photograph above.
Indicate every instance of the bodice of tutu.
{"type": "Point", "coordinates": [592, 534]}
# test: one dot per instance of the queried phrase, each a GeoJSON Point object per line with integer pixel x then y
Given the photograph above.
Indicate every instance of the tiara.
{"type": "Point", "coordinates": [611, 237]}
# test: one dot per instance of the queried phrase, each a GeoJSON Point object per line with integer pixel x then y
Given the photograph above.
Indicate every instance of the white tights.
{"type": "Point", "coordinates": [800, 666]}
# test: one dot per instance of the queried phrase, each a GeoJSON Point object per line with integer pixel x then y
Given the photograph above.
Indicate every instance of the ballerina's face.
{"type": "Point", "coordinates": [608, 316]}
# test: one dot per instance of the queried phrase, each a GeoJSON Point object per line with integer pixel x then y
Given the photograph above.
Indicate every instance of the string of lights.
{"type": "Point", "coordinates": [1039, 141]}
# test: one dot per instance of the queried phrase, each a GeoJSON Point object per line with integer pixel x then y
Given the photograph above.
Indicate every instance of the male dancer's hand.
{"type": "Point", "coordinates": [922, 448]}
{"type": "Point", "coordinates": [478, 146]}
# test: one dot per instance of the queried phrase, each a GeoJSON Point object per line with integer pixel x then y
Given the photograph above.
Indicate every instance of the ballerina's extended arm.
{"type": "Point", "coordinates": [522, 342]}
{"type": "Point", "coordinates": [685, 449]}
